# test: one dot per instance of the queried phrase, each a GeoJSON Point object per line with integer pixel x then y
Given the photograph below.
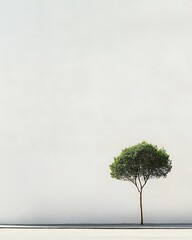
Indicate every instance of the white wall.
{"type": "Point", "coordinates": [80, 81]}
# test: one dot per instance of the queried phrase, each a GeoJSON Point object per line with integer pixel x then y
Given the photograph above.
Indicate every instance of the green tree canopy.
{"type": "Point", "coordinates": [139, 163]}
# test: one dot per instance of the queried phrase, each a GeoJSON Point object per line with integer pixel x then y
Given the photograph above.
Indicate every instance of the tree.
{"type": "Point", "coordinates": [139, 163]}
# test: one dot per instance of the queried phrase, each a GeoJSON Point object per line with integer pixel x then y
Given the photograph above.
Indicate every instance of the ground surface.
{"type": "Point", "coordinates": [96, 234]}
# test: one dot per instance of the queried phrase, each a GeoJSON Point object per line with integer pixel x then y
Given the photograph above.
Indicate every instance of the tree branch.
{"type": "Point", "coordinates": [139, 190]}
{"type": "Point", "coordinates": [145, 181]}
{"type": "Point", "coordinates": [140, 181]}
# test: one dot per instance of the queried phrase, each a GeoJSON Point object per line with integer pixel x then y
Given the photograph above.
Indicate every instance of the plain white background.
{"type": "Point", "coordinates": [80, 81]}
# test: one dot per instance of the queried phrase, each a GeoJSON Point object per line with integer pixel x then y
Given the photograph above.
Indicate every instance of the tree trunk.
{"type": "Point", "coordinates": [141, 207]}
